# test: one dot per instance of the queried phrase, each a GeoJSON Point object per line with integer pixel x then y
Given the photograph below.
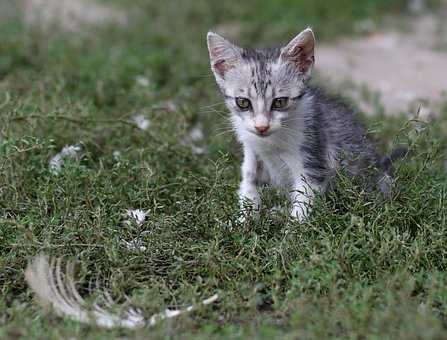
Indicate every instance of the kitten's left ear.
{"type": "Point", "coordinates": [300, 51]}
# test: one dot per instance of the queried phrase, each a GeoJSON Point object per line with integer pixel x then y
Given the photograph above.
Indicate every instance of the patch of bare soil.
{"type": "Point", "coordinates": [400, 69]}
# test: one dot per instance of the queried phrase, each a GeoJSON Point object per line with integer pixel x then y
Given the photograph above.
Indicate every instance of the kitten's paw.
{"type": "Point", "coordinates": [248, 211]}
{"type": "Point", "coordinates": [246, 214]}
{"type": "Point", "coordinates": [299, 212]}
{"type": "Point", "coordinates": [249, 203]}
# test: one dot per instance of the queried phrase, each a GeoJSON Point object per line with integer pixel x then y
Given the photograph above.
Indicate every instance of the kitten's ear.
{"type": "Point", "coordinates": [223, 54]}
{"type": "Point", "coordinates": [300, 51]}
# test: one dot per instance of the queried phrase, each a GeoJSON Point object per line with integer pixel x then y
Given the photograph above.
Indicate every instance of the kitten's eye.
{"type": "Point", "coordinates": [243, 103]}
{"type": "Point", "coordinates": [280, 103]}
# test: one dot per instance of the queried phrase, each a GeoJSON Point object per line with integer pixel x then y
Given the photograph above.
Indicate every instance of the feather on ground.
{"type": "Point", "coordinates": [57, 289]}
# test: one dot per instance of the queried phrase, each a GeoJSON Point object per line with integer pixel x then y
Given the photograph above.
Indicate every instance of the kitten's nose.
{"type": "Point", "coordinates": [262, 128]}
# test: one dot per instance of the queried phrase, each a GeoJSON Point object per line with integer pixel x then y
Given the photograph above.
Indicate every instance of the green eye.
{"type": "Point", "coordinates": [243, 103]}
{"type": "Point", "coordinates": [280, 103]}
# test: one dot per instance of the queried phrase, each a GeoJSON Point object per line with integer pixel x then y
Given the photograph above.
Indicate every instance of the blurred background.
{"type": "Point", "coordinates": [138, 60]}
{"type": "Point", "coordinates": [387, 55]}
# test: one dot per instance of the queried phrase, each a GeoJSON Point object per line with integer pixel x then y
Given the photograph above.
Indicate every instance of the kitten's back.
{"type": "Point", "coordinates": [342, 132]}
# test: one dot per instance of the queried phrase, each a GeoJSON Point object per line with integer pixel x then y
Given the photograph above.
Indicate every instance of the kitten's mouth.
{"type": "Point", "coordinates": [261, 135]}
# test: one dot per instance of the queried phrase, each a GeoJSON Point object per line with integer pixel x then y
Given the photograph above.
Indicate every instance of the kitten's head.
{"type": "Point", "coordinates": [262, 87]}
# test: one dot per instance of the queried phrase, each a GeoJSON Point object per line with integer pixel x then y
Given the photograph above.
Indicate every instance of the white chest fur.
{"type": "Point", "coordinates": [280, 155]}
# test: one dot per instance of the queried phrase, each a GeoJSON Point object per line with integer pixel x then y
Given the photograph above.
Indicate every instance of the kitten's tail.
{"type": "Point", "coordinates": [386, 180]}
{"type": "Point", "coordinates": [57, 289]}
{"type": "Point", "coordinates": [397, 153]}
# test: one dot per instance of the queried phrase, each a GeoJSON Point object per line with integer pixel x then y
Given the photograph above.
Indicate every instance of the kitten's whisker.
{"type": "Point", "coordinates": [291, 132]}
{"type": "Point", "coordinates": [287, 128]}
{"type": "Point", "coordinates": [289, 120]}
{"type": "Point", "coordinates": [226, 125]}
{"type": "Point", "coordinates": [211, 110]}
{"type": "Point", "coordinates": [226, 129]}
{"type": "Point", "coordinates": [288, 144]}
{"type": "Point", "coordinates": [212, 105]}
{"type": "Point", "coordinates": [216, 103]}
{"type": "Point", "coordinates": [224, 132]}
{"type": "Point", "coordinates": [220, 113]}
{"type": "Point", "coordinates": [286, 141]}
{"type": "Point", "coordinates": [210, 75]}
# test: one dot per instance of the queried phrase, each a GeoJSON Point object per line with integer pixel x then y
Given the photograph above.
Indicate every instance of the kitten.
{"type": "Point", "coordinates": [294, 136]}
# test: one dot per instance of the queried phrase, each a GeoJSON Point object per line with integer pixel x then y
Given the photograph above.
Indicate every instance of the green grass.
{"type": "Point", "coordinates": [359, 267]}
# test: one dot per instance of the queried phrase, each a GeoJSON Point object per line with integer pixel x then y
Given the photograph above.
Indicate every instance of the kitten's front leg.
{"type": "Point", "coordinates": [249, 199]}
{"type": "Point", "coordinates": [301, 197]}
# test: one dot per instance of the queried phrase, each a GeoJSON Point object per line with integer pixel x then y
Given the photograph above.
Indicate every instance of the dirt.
{"type": "Point", "coordinates": [392, 70]}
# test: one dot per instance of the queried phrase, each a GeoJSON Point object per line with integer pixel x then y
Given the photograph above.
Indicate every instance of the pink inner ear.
{"type": "Point", "coordinates": [221, 67]}
{"type": "Point", "coordinates": [302, 55]}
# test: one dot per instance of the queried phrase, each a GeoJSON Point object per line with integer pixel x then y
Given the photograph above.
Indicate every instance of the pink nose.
{"type": "Point", "coordinates": [262, 128]}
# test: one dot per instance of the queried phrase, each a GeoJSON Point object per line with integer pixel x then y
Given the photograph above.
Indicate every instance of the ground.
{"type": "Point", "coordinates": [135, 96]}
{"type": "Point", "coordinates": [415, 49]}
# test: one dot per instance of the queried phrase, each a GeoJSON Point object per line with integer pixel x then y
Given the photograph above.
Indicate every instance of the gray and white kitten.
{"type": "Point", "coordinates": [294, 136]}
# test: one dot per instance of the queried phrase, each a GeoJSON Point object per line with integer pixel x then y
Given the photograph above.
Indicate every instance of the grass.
{"type": "Point", "coordinates": [360, 267]}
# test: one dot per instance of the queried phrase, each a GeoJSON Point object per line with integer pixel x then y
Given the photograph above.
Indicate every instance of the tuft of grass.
{"type": "Point", "coordinates": [361, 266]}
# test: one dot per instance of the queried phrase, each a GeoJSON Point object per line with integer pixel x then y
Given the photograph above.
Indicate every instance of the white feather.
{"type": "Point", "coordinates": [137, 216]}
{"type": "Point", "coordinates": [142, 122]}
{"type": "Point", "coordinates": [57, 289]}
{"type": "Point", "coordinates": [57, 161]}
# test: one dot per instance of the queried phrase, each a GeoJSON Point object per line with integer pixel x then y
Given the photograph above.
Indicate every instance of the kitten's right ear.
{"type": "Point", "coordinates": [223, 54]}
{"type": "Point", "coordinates": [300, 51]}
